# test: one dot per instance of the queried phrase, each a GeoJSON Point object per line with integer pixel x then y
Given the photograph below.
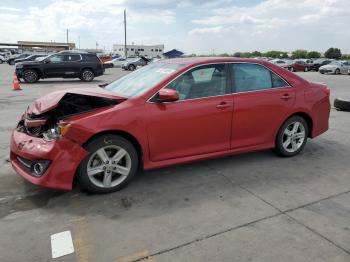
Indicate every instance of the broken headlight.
{"type": "Point", "coordinates": [56, 132]}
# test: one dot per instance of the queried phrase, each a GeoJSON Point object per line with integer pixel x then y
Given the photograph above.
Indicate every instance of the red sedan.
{"type": "Point", "coordinates": [298, 65]}
{"type": "Point", "coordinates": [169, 112]}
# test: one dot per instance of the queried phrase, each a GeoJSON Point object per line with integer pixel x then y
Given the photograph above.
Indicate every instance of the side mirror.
{"type": "Point", "coordinates": [167, 95]}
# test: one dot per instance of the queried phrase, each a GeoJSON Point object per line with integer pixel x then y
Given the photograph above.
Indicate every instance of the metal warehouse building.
{"type": "Point", "coordinates": [135, 50]}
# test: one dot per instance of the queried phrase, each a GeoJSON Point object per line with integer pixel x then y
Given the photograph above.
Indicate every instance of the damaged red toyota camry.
{"type": "Point", "coordinates": [169, 112]}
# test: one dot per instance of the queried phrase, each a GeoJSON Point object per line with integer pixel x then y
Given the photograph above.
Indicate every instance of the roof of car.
{"type": "Point", "coordinates": [204, 60]}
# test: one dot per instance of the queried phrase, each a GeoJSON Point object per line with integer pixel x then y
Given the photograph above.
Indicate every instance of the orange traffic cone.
{"type": "Point", "coordinates": [15, 83]}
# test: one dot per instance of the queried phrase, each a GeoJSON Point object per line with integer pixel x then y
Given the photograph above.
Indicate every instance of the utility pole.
{"type": "Point", "coordinates": [67, 38]}
{"type": "Point", "coordinates": [125, 51]}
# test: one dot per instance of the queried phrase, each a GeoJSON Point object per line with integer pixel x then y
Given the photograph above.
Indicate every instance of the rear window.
{"type": "Point", "coordinates": [90, 58]}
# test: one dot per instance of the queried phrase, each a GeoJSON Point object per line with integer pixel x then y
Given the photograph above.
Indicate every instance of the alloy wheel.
{"type": "Point", "coordinates": [293, 137]}
{"type": "Point", "coordinates": [88, 75]}
{"type": "Point", "coordinates": [109, 166]}
{"type": "Point", "coordinates": [30, 76]}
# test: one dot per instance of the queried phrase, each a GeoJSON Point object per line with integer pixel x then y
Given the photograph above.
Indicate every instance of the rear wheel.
{"type": "Point", "coordinates": [30, 76]}
{"type": "Point", "coordinates": [87, 75]}
{"type": "Point", "coordinates": [131, 67]}
{"type": "Point", "coordinates": [12, 62]}
{"type": "Point", "coordinates": [337, 71]}
{"type": "Point", "coordinates": [111, 164]}
{"type": "Point", "coordinates": [292, 137]}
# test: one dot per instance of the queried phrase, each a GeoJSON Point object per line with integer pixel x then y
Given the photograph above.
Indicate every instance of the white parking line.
{"type": "Point", "coordinates": [61, 244]}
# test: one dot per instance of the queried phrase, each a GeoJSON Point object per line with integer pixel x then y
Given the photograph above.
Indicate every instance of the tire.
{"type": "Point", "coordinates": [292, 69]}
{"type": "Point", "coordinates": [297, 143]}
{"type": "Point", "coordinates": [337, 71]}
{"type": "Point", "coordinates": [131, 67]}
{"type": "Point", "coordinates": [103, 178]}
{"type": "Point", "coordinates": [30, 76]}
{"type": "Point", "coordinates": [342, 104]}
{"type": "Point", "coordinates": [1, 61]}
{"type": "Point", "coordinates": [306, 69]}
{"type": "Point", "coordinates": [12, 62]}
{"type": "Point", "coordinates": [87, 75]}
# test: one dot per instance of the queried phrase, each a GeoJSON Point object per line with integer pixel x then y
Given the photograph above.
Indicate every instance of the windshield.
{"type": "Point", "coordinates": [143, 79]}
{"type": "Point", "coordinates": [335, 63]}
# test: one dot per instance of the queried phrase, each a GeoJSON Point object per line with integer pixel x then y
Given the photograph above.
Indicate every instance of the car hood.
{"type": "Point", "coordinates": [51, 100]}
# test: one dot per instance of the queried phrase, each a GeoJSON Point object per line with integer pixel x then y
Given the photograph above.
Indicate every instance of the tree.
{"type": "Point", "coordinates": [333, 53]}
{"type": "Point", "coordinates": [345, 56]}
{"type": "Point", "coordinates": [256, 54]}
{"type": "Point", "coordinates": [313, 54]}
{"type": "Point", "coordinates": [237, 54]}
{"type": "Point", "coordinates": [298, 54]}
{"type": "Point", "coordinates": [276, 54]}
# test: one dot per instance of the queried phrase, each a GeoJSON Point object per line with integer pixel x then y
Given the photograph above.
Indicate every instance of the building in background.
{"type": "Point", "coordinates": [137, 50]}
{"type": "Point", "coordinates": [31, 46]}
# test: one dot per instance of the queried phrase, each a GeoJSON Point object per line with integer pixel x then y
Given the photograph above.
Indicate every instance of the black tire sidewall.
{"type": "Point", "coordinates": [278, 143]}
{"type": "Point", "coordinates": [131, 67]}
{"type": "Point", "coordinates": [30, 70]}
{"type": "Point", "coordinates": [92, 147]}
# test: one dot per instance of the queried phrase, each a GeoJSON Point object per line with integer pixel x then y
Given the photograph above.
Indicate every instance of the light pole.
{"type": "Point", "coordinates": [125, 50]}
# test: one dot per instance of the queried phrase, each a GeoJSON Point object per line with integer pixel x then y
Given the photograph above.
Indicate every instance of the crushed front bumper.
{"type": "Point", "coordinates": [63, 154]}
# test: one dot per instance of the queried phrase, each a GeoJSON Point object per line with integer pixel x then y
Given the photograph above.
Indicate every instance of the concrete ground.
{"type": "Point", "coordinates": [252, 207]}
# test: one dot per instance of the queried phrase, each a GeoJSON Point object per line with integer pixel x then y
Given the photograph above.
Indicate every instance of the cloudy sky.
{"type": "Point", "coordinates": [193, 26]}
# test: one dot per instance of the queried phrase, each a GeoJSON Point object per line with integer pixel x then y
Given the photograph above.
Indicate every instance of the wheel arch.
{"type": "Point", "coordinates": [307, 118]}
{"type": "Point", "coordinates": [131, 138]}
{"type": "Point", "coordinates": [87, 67]}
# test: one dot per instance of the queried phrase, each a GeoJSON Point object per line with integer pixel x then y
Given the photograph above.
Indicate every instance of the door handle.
{"type": "Point", "coordinates": [286, 97]}
{"type": "Point", "coordinates": [223, 105]}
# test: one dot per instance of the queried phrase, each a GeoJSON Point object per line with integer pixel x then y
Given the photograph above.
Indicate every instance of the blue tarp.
{"type": "Point", "coordinates": [173, 54]}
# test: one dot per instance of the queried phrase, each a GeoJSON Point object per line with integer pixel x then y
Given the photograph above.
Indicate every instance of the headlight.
{"type": "Point", "coordinates": [57, 132]}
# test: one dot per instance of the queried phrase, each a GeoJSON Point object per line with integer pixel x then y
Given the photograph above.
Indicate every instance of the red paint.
{"type": "Point", "coordinates": [180, 131]}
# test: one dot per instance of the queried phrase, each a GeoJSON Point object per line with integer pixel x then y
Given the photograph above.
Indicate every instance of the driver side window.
{"type": "Point", "coordinates": [203, 81]}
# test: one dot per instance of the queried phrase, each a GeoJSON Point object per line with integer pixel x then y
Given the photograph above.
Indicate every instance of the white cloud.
{"type": "Point", "coordinates": [310, 24]}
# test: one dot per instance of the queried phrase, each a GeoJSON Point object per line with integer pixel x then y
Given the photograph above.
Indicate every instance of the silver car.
{"type": "Point", "coordinates": [336, 67]}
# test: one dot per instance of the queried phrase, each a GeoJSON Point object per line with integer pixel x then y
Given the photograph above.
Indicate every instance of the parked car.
{"type": "Point", "coordinates": [336, 67]}
{"type": "Point", "coordinates": [2, 59]}
{"type": "Point", "coordinates": [169, 112]}
{"type": "Point", "coordinates": [318, 63]}
{"type": "Point", "coordinates": [64, 64]}
{"type": "Point", "coordinates": [280, 62]}
{"type": "Point", "coordinates": [133, 63]}
{"type": "Point", "coordinates": [298, 65]}
{"type": "Point", "coordinates": [116, 62]}
{"type": "Point", "coordinates": [29, 58]}
{"type": "Point", "coordinates": [11, 59]}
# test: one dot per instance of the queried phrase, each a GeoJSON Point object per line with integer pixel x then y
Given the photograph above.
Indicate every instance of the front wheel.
{"type": "Point", "coordinates": [337, 71]}
{"type": "Point", "coordinates": [110, 165]}
{"type": "Point", "coordinates": [292, 137]}
{"type": "Point", "coordinates": [306, 69]}
{"type": "Point", "coordinates": [30, 76]}
{"type": "Point", "coordinates": [87, 75]}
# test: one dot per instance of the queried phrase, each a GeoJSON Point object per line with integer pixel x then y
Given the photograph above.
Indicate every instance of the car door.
{"type": "Point", "coordinates": [199, 122]}
{"type": "Point", "coordinates": [262, 101]}
{"type": "Point", "coordinates": [71, 65]}
{"type": "Point", "coordinates": [344, 67]}
{"type": "Point", "coordinates": [54, 66]}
